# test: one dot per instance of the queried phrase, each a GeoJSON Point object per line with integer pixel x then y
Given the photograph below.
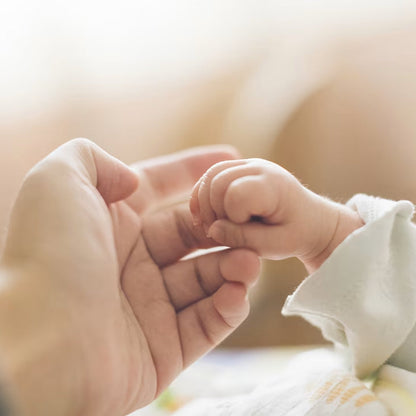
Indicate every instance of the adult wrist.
{"type": "Point", "coordinates": [34, 351]}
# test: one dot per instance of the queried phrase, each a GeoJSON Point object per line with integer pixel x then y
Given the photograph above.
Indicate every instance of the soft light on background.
{"type": "Point", "coordinates": [327, 88]}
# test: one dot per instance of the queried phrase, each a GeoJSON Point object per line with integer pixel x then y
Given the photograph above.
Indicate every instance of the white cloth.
{"type": "Point", "coordinates": [363, 298]}
{"type": "Point", "coordinates": [314, 384]}
{"type": "Point", "coordinates": [364, 295]}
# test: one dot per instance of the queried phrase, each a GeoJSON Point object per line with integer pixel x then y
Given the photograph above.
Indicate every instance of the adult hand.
{"type": "Point", "coordinates": [98, 309]}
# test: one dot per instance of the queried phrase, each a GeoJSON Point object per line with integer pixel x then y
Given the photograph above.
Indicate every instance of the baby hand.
{"type": "Point", "coordinates": [258, 204]}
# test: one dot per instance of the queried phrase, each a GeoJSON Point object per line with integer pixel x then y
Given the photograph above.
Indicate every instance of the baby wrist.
{"type": "Point", "coordinates": [344, 222]}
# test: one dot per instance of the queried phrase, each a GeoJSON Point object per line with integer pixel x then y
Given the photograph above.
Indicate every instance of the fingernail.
{"type": "Point", "coordinates": [196, 221]}
{"type": "Point", "coordinates": [216, 233]}
{"type": "Point", "coordinates": [206, 229]}
{"type": "Point", "coordinates": [209, 232]}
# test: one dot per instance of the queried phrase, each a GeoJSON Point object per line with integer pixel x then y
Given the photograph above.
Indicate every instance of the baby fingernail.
{"type": "Point", "coordinates": [216, 233]}
{"type": "Point", "coordinates": [196, 221]}
{"type": "Point", "coordinates": [206, 229]}
{"type": "Point", "coordinates": [209, 232]}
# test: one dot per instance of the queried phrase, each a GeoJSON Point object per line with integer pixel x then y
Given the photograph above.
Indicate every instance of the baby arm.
{"type": "Point", "coordinates": [258, 204]}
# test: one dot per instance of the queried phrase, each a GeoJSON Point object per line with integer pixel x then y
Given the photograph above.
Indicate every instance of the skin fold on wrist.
{"type": "Point", "coordinates": [346, 222]}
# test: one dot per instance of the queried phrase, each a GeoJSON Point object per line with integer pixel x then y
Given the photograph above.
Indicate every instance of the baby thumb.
{"type": "Point", "coordinates": [267, 241]}
{"type": "Point", "coordinates": [230, 234]}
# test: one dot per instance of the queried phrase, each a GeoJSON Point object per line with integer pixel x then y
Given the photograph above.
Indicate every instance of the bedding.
{"type": "Point", "coordinates": [222, 373]}
{"type": "Point", "coordinates": [283, 382]}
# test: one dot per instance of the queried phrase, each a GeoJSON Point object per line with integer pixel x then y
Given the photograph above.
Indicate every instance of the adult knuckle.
{"type": "Point", "coordinates": [80, 142]}
{"type": "Point", "coordinates": [40, 179]}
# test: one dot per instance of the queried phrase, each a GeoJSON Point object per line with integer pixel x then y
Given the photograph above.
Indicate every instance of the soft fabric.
{"type": "Point", "coordinates": [314, 384]}
{"type": "Point", "coordinates": [364, 295]}
{"type": "Point", "coordinates": [363, 298]}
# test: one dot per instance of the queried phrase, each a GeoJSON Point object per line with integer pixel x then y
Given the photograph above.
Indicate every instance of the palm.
{"type": "Point", "coordinates": [139, 313]}
{"type": "Point", "coordinates": [174, 309]}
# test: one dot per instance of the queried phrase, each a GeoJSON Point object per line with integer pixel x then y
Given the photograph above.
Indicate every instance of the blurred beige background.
{"type": "Point", "coordinates": [326, 88]}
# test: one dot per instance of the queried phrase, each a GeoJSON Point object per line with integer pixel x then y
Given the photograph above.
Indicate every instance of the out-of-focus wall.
{"type": "Point", "coordinates": [355, 134]}
{"type": "Point", "coordinates": [326, 88]}
{"type": "Point", "coordinates": [138, 77]}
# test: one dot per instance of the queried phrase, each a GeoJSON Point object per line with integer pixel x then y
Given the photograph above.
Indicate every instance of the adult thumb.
{"type": "Point", "coordinates": [113, 179]}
